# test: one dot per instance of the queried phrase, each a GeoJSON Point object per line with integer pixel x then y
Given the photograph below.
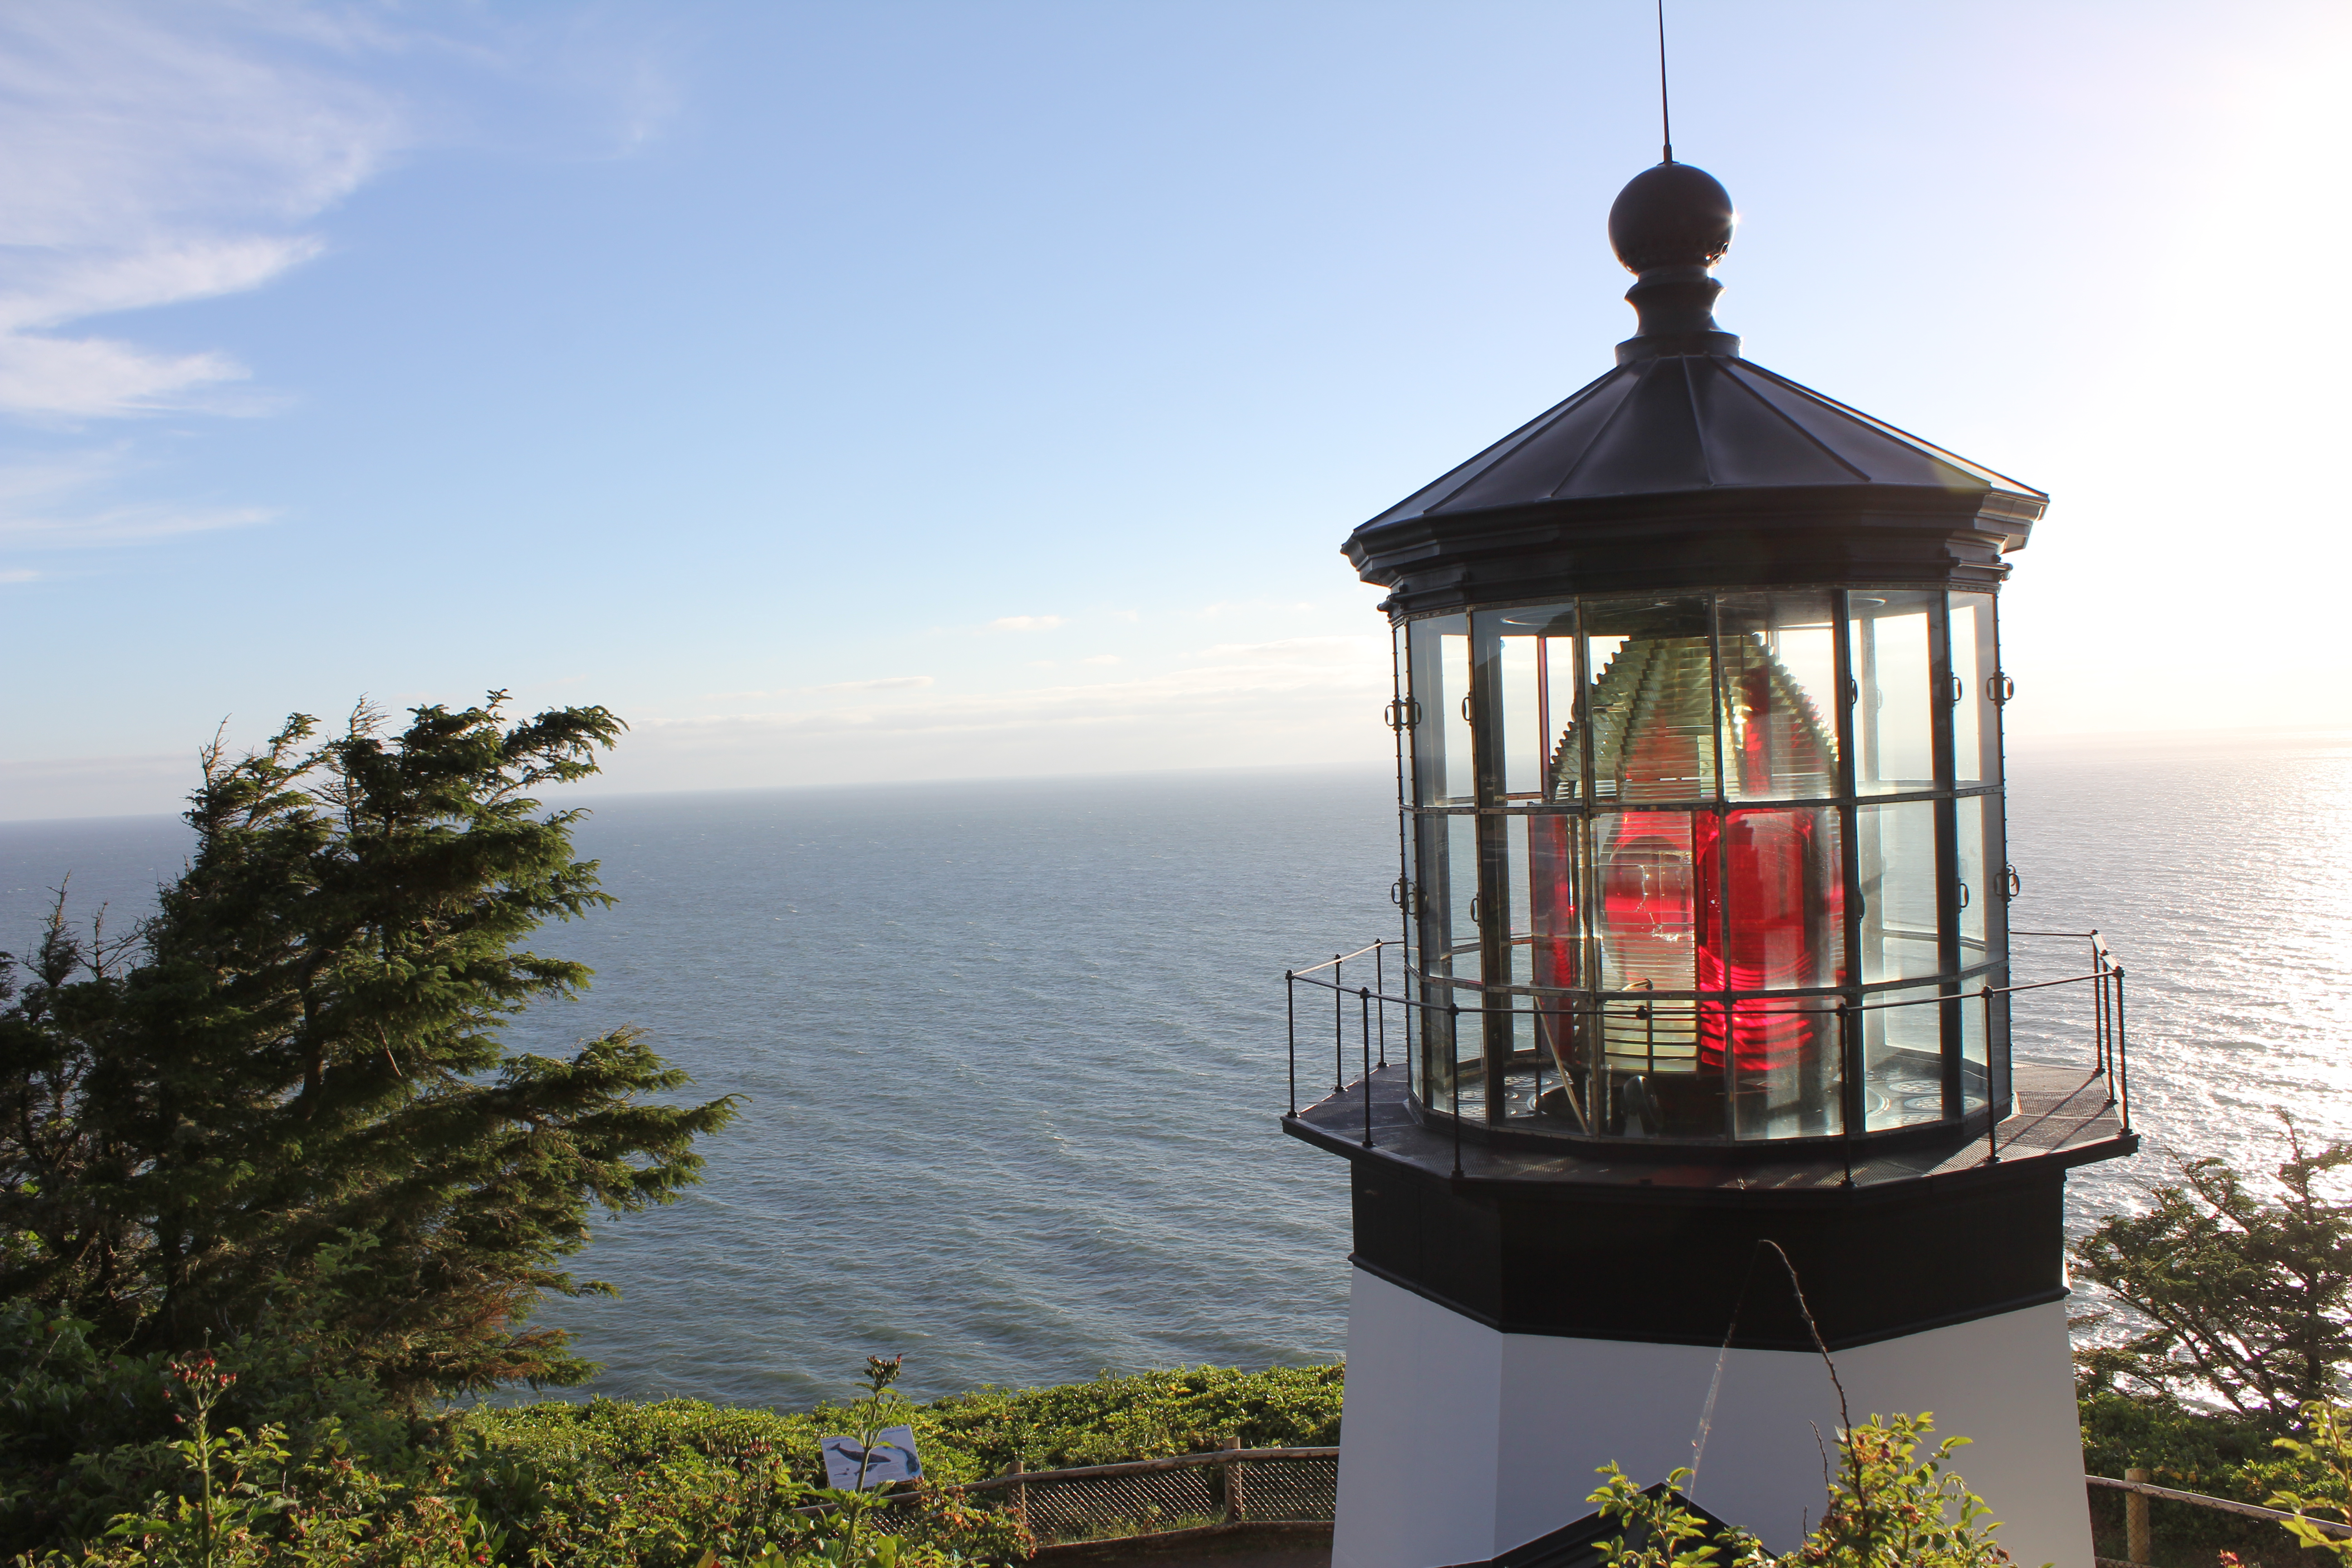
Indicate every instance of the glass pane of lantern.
{"type": "Point", "coordinates": [1435, 918]}
{"type": "Point", "coordinates": [1534, 683]}
{"type": "Point", "coordinates": [1778, 657]}
{"type": "Point", "coordinates": [1441, 731]}
{"type": "Point", "coordinates": [1786, 1068]}
{"type": "Point", "coordinates": [1563, 754]}
{"type": "Point", "coordinates": [1445, 862]}
{"type": "Point", "coordinates": [1447, 855]}
{"type": "Point", "coordinates": [1975, 894]}
{"type": "Point", "coordinates": [1462, 903]}
{"type": "Point", "coordinates": [1516, 929]}
{"type": "Point", "coordinates": [1975, 1069]}
{"type": "Point", "coordinates": [1976, 738]}
{"type": "Point", "coordinates": [1902, 1061]}
{"type": "Point", "coordinates": [1895, 846]}
{"type": "Point", "coordinates": [1893, 734]}
{"type": "Point", "coordinates": [1553, 863]}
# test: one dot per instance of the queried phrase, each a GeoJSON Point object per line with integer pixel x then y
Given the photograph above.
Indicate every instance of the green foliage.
{"type": "Point", "coordinates": [2326, 1494]}
{"type": "Point", "coordinates": [1658, 1531]}
{"type": "Point", "coordinates": [2232, 1295]}
{"type": "Point", "coordinates": [604, 1482]}
{"type": "Point", "coordinates": [85, 1433]}
{"type": "Point", "coordinates": [285, 1102]}
{"type": "Point", "coordinates": [2216, 1453]}
{"type": "Point", "coordinates": [1154, 1415]}
{"type": "Point", "coordinates": [1889, 1508]}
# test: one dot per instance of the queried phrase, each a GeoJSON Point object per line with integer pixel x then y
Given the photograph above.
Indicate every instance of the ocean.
{"type": "Point", "coordinates": [1011, 1053]}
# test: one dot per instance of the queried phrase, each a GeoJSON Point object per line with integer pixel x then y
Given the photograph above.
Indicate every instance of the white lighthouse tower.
{"type": "Point", "coordinates": [1698, 696]}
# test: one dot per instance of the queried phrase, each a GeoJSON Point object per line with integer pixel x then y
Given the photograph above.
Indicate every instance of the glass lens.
{"type": "Point", "coordinates": [1652, 703]}
{"type": "Point", "coordinates": [1647, 922]}
{"type": "Point", "coordinates": [1895, 846]}
{"type": "Point", "coordinates": [1777, 655]}
{"type": "Point", "coordinates": [1976, 734]}
{"type": "Point", "coordinates": [1649, 886]}
{"type": "Point", "coordinates": [1903, 1057]}
{"type": "Point", "coordinates": [1782, 900]}
{"type": "Point", "coordinates": [1440, 649]}
{"type": "Point", "coordinates": [1893, 734]}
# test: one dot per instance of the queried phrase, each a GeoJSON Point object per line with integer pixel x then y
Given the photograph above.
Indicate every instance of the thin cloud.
{"type": "Point", "coordinates": [1026, 623]}
{"type": "Point", "coordinates": [57, 505]}
{"type": "Point", "coordinates": [839, 688]}
{"type": "Point", "coordinates": [1348, 651]}
{"type": "Point", "coordinates": [20, 574]}
{"type": "Point", "coordinates": [1224, 607]}
{"type": "Point", "coordinates": [1230, 686]}
{"type": "Point", "coordinates": [180, 152]}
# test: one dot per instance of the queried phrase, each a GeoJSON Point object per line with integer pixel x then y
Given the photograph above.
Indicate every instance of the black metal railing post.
{"type": "Point", "coordinates": [1453, 1072]}
{"type": "Point", "coordinates": [1364, 1036]}
{"type": "Point", "coordinates": [2102, 1020]}
{"type": "Point", "coordinates": [1290, 1012]}
{"type": "Point", "coordinates": [2123, 1052]}
{"type": "Point", "coordinates": [1381, 986]}
{"type": "Point", "coordinates": [1848, 1095]}
{"type": "Point", "coordinates": [1338, 1030]}
{"type": "Point", "coordinates": [1992, 1111]}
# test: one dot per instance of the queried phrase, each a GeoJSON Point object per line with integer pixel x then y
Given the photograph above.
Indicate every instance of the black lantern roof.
{"type": "Point", "coordinates": [1688, 464]}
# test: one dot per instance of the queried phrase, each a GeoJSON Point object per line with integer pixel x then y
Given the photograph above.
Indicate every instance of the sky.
{"type": "Point", "coordinates": [851, 393]}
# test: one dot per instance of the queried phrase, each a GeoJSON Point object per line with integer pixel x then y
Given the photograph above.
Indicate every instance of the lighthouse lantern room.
{"type": "Point", "coordinates": [1709, 1053]}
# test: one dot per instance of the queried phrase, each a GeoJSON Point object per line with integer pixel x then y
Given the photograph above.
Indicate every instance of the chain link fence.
{"type": "Point", "coordinates": [1161, 1497]}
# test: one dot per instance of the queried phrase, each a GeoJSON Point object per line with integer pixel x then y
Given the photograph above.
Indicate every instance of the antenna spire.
{"type": "Point", "coordinates": [1665, 114]}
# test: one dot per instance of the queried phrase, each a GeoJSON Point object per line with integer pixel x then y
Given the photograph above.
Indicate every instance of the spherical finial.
{"type": "Point", "coordinates": [1672, 215]}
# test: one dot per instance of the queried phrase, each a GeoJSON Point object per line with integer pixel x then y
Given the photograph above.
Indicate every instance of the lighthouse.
{"type": "Point", "coordinates": [1706, 964]}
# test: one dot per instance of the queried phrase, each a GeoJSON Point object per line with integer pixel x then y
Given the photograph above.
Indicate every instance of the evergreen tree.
{"type": "Point", "coordinates": [285, 1100]}
{"type": "Point", "coordinates": [2231, 1293]}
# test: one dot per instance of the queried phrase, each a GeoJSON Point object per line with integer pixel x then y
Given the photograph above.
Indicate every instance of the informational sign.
{"type": "Point", "coordinates": [891, 1458]}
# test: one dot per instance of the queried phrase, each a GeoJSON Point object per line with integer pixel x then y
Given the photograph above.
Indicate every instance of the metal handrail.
{"type": "Point", "coordinates": [1340, 958]}
{"type": "Point", "coordinates": [1651, 998]}
{"type": "Point", "coordinates": [2106, 979]}
{"type": "Point", "coordinates": [2252, 1511]}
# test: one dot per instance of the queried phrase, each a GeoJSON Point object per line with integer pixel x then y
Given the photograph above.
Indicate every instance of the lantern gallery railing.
{"type": "Point", "coordinates": [1637, 1065]}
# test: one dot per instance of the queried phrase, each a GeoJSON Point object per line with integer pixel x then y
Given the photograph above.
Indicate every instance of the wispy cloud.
{"type": "Point", "coordinates": [59, 504]}
{"type": "Point", "coordinates": [1026, 623]}
{"type": "Point", "coordinates": [838, 688]}
{"type": "Point", "coordinates": [1228, 678]}
{"type": "Point", "coordinates": [1224, 608]}
{"type": "Point", "coordinates": [163, 154]}
{"type": "Point", "coordinates": [1351, 652]}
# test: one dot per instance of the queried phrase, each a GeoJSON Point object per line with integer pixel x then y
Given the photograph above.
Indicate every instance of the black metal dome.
{"type": "Point", "coordinates": [1688, 464]}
